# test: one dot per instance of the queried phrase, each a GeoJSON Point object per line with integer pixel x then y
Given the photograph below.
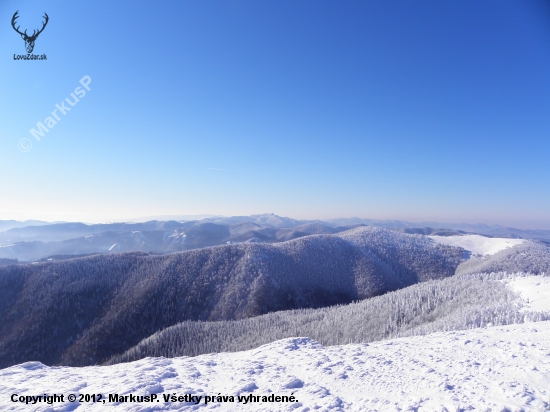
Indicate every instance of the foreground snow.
{"type": "Point", "coordinates": [477, 244]}
{"type": "Point", "coordinates": [482, 369]}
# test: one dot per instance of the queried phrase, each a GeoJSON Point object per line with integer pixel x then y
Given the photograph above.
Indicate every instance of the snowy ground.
{"type": "Point", "coordinates": [497, 369]}
{"type": "Point", "coordinates": [534, 291]}
{"type": "Point", "coordinates": [477, 244]}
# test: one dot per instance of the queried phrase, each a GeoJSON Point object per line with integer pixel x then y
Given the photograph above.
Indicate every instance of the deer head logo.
{"type": "Point", "coordinates": [29, 40]}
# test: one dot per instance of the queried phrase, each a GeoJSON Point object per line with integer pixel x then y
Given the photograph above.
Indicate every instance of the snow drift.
{"type": "Point", "coordinates": [499, 369]}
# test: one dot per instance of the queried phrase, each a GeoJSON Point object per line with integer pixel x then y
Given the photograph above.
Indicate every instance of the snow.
{"type": "Point", "coordinates": [497, 369]}
{"type": "Point", "coordinates": [477, 244]}
{"type": "Point", "coordinates": [534, 291]}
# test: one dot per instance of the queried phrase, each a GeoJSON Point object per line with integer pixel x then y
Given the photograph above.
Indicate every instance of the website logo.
{"type": "Point", "coordinates": [29, 40]}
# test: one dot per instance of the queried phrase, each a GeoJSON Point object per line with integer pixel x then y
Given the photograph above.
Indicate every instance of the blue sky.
{"type": "Point", "coordinates": [413, 110]}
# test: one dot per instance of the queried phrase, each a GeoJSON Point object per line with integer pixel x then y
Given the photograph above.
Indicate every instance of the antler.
{"type": "Point", "coordinates": [13, 19]}
{"type": "Point", "coordinates": [43, 25]}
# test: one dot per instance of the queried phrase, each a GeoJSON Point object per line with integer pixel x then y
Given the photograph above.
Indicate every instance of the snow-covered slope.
{"type": "Point", "coordinates": [535, 292]}
{"type": "Point", "coordinates": [478, 245]}
{"type": "Point", "coordinates": [529, 257]}
{"type": "Point", "coordinates": [459, 302]}
{"type": "Point", "coordinates": [497, 369]}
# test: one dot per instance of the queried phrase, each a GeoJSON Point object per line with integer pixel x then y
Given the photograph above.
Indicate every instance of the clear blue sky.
{"type": "Point", "coordinates": [414, 110]}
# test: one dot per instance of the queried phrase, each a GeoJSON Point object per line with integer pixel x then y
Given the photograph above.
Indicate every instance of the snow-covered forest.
{"type": "Point", "coordinates": [351, 288]}
{"type": "Point", "coordinates": [87, 310]}
{"type": "Point", "coordinates": [455, 303]}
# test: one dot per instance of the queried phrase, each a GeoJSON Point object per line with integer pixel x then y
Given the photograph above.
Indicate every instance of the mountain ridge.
{"type": "Point", "coordinates": [84, 310]}
{"type": "Point", "coordinates": [34, 243]}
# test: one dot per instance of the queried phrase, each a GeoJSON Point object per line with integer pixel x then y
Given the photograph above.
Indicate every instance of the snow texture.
{"type": "Point", "coordinates": [535, 292]}
{"type": "Point", "coordinates": [489, 369]}
{"type": "Point", "coordinates": [478, 245]}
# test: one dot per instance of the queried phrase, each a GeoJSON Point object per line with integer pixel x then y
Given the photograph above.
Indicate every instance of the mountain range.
{"type": "Point", "coordinates": [85, 310]}
{"type": "Point", "coordinates": [36, 240]}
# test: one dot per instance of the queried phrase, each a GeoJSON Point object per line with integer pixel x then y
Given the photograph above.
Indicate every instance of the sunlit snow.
{"type": "Point", "coordinates": [499, 368]}
{"type": "Point", "coordinates": [535, 292]}
{"type": "Point", "coordinates": [477, 244]}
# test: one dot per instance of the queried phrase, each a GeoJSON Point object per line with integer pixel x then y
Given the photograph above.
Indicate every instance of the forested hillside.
{"type": "Point", "coordinates": [456, 303]}
{"type": "Point", "coordinates": [83, 311]}
{"type": "Point", "coordinates": [530, 256]}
